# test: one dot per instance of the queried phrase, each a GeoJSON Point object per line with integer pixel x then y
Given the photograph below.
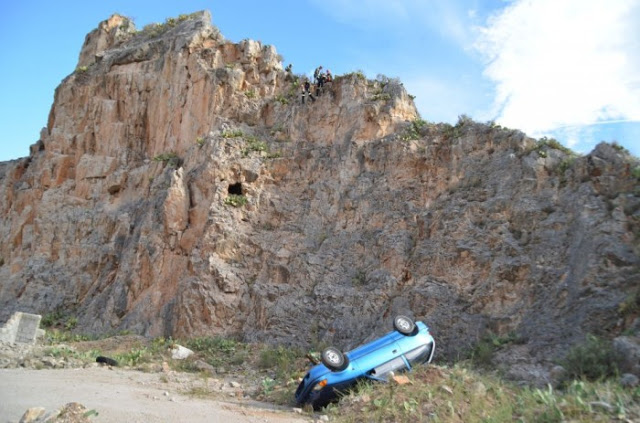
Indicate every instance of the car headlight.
{"type": "Point", "coordinates": [320, 385]}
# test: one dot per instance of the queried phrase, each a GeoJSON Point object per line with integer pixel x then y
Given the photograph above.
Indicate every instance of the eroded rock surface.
{"type": "Point", "coordinates": [127, 215]}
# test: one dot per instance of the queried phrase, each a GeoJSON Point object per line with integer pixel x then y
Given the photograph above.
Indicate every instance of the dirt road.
{"type": "Point", "coordinates": [128, 396]}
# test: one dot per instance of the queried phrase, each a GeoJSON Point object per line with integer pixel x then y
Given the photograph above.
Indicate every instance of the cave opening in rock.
{"type": "Point", "coordinates": [235, 188]}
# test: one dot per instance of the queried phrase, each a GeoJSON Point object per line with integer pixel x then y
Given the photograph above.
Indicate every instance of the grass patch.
{"type": "Point", "coordinates": [285, 366]}
{"type": "Point", "coordinates": [219, 351]}
{"type": "Point", "coordinates": [280, 359]}
{"type": "Point", "coordinates": [457, 394]}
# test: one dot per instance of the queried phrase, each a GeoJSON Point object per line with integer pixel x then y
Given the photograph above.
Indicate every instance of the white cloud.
{"type": "Point", "coordinates": [562, 63]}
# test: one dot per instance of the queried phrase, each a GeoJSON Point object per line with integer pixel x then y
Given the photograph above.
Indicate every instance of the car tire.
{"type": "Point", "coordinates": [404, 325]}
{"type": "Point", "coordinates": [106, 360]}
{"type": "Point", "coordinates": [334, 359]}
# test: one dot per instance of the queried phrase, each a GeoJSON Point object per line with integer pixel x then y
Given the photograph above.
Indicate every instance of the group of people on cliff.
{"type": "Point", "coordinates": [320, 78]}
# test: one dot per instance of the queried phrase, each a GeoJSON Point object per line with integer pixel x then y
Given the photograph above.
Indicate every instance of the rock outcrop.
{"type": "Point", "coordinates": [181, 188]}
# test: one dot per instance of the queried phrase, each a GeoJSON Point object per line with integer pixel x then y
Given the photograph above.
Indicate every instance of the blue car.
{"type": "Point", "coordinates": [410, 343]}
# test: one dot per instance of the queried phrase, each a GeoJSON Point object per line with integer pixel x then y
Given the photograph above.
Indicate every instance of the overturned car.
{"type": "Point", "coordinates": [410, 343]}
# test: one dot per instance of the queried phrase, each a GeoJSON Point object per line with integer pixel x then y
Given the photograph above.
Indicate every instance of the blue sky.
{"type": "Point", "coordinates": [568, 69]}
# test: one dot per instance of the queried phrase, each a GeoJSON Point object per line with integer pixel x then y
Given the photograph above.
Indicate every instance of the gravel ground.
{"type": "Point", "coordinates": [132, 396]}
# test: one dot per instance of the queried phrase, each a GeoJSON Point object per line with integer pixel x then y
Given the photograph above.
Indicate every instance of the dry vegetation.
{"type": "Point", "coordinates": [462, 393]}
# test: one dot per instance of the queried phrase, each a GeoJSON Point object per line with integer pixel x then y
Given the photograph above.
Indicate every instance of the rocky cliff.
{"type": "Point", "coordinates": [181, 188]}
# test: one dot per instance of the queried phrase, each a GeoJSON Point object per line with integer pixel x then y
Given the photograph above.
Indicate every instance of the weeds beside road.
{"type": "Point", "coordinates": [458, 393]}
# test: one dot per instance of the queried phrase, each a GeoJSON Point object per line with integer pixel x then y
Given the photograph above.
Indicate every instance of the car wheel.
{"type": "Point", "coordinates": [334, 359]}
{"type": "Point", "coordinates": [404, 325]}
{"type": "Point", "coordinates": [106, 360]}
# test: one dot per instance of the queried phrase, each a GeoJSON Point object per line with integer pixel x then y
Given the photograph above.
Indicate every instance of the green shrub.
{"type": "Point", "coordinates": [551, 143]}
{"type": "Point", "coordinates": [267, 385]}
{"type": "Point", "coordinates": [595, 359]}
{"type": "Point", "coordinates": [483, 352]}
{"type": "Point", "coordinates": [53, 318]}
{"type": "Point", "coordinates": [153, 29]}
{"type": "Point", "coordinates": [282, 100]}
{"type": "Point", "coordinates": [200, 141]}
{"type": "Point", "coordinates": [631, 304]}
{"type": "Point", "coordinates": [254, 144]}
{"type": "Point", "coordinates": [565, 164]}
{"type": "Point", "coordinates": [493, 125]}
{"type": "Point", "coordinates": [82, 69]}
{"type": "Point", "coordinates": [636, 172]}
{"type": "Point", "coordinates": [280, 359]}
{"type": "Point", "coordinates": [232, 134]}
{"type": "Point", "coordinates": [250, 93]}
{"type": "Point", "coordinates": [413, 131]}
{"type": "Point", "coordinates": [360, 278]}
{"type": "Point", "coordinates": [380, 96]}
{"type": "Point", "coordinates": [71, 323]}
{"type": "Point", "coordinates": [358, 74]}
{"type": "Point", "coordinates": [451, 131]}
{"type": "Point", "coordinates": [464, 120]}
{"type": "Point", "coordinates": [134, 357]}
{"type": "Point", "coordinates": [236, 200]}
{"type": "Point", "coordinates": [619, 147]}
{"type": "Point", "coordinates": [170, 158]}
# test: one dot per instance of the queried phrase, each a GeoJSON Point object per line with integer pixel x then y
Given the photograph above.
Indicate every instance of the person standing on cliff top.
{"type": "Point", "coordinates": [306, 91]}
{"type": "Point", "coordinates": [319, 79]}
{"type": "Point", "coordinates": [316, 74]}
{"type": "Point", "coordinates": [289, 73]}
{"type": "Point", "coordinates": [329, 77]}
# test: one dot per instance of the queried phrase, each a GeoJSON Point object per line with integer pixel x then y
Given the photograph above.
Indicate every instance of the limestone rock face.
{"type": "Point", "coordinates": [109, 34]}
{"type": "Point", "coordinates": [181, 188]}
